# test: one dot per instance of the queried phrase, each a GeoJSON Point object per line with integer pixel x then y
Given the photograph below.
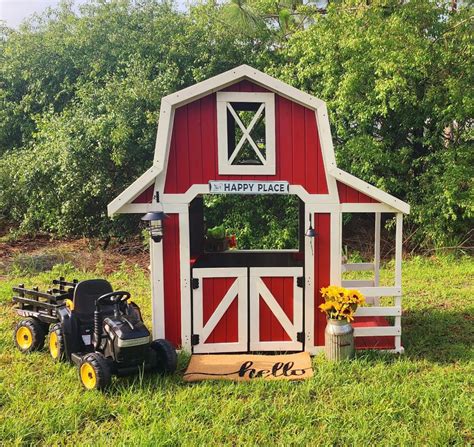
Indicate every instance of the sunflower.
{"type": "Point", "coordinates": [327, 306]}
{"type": "Point", "coordinates": [356, 297]}
{"type": "Point", "coordinates": [347, 313]}
{"type": "Point", "coordinates": [341, 303]}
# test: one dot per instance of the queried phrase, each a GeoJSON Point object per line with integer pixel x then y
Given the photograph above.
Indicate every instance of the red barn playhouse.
{"type": "Point", "coordinates": [243, 301]}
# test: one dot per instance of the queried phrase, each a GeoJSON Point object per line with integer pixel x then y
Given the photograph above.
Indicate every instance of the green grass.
{"type": "Point", "coordinates": [424, 397]}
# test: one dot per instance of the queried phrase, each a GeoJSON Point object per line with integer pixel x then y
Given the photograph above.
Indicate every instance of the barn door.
{"type": "Point", "coordinates": [220, 314]}
{"type": "Point", "coordinates": [276, 309]}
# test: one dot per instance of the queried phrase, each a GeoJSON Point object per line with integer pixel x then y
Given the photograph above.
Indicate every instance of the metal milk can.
{"type": "Point", "coordinates": [339, 340]}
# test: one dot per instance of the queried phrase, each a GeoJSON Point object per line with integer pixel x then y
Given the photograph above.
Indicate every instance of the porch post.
{"type": "Point", "coordinates": [336, 247]}
{"type": "Point", "coordinates": [309, 292]}
{"type": "Point", "coordinates": [398, 273]}
{"type": "Point", "coordinates": [378, 222]}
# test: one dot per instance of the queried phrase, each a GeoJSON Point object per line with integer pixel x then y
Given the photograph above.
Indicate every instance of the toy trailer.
{"type": "Point", "coordinates": [43, 305]}
{"type": "Point", "coordinates": [245, 301]}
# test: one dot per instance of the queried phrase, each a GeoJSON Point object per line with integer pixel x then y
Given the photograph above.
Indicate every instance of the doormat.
{"type": "Point", "coordinates": [241, 367]}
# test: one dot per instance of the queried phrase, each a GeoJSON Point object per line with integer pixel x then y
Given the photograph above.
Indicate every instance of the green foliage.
{"type": "Point", "coordinates": [80, 96]}
{"type": "Point", "coordinates": [260, 221]}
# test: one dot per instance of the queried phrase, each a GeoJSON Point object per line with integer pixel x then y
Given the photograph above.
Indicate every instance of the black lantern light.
{"type": "Point", "coordinates": [310, 232]}
{"type": "Point", "coordinates": [155, 222]}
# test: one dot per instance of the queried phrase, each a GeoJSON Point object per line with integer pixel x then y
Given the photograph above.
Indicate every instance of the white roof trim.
{"type": "Point", "coordinates": [135, 189]}
{"type": "Point", "coordinates": [165, 126]}
{"type": "Point", "coordinates": [230, 77]}
{"type": "Point", "coordinates": [368, 189]}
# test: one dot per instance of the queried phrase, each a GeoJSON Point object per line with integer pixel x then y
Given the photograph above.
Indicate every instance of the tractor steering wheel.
{"type": "Point", "coordinates": [113, 298]}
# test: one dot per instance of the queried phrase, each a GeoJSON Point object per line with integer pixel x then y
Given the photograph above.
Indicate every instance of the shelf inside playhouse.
{"type": "Point", "coordinates": [249, 258]}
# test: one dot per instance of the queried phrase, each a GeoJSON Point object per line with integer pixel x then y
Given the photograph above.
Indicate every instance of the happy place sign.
{"type": "Point", "coordinates": [248, 187]}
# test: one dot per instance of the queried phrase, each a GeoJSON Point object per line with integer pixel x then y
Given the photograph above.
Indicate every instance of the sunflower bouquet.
{"type": "Point", "coordinates": [340, 303]}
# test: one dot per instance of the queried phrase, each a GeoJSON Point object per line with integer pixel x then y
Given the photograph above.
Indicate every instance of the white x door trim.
{"type": "Point", "coordinates": [237, 291]}
{"type": "Point", "coordinates": [258, 290]}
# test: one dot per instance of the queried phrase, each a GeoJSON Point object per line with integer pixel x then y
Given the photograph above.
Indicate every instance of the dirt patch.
{"type": "Point", "coordinates": [42, 253]}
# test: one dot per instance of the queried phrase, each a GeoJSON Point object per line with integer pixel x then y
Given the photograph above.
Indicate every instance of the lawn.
{"type": "Point", "coordinates": [424, 397]}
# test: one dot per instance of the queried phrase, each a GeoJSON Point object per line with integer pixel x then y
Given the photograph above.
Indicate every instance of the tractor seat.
{"type": "Point", "coordinates": [85, 295]}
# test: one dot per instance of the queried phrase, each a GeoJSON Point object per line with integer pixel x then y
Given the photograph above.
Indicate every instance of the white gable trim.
{"type": "Point", "coordinates": [230, 77]}
{"type": "Point", "coordinates": [165, 128]}
{"type": "Point", "coordinates": [134, 190]}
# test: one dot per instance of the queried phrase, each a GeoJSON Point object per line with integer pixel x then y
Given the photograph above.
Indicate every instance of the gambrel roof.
{"type": "Point", "coordinates": [244, 72]}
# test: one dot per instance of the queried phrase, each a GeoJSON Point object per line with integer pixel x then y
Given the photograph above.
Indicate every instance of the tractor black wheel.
{"type": "Point", "coordinates": [94, 372]}
{"type": "Point", "coordinates": [56, 342]}
{"type": "Point", "coordinates": [163, 359]}
{"type": "Point", "coordinates": [29, 335]}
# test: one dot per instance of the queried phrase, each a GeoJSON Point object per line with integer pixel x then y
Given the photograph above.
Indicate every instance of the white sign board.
{"type": "Point", "coordinates": [248, 187]}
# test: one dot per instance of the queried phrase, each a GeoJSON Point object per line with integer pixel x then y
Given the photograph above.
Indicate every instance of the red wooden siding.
{"type": "Point", "coordinates": [214, 290]}
{"type": "Point", "coordinates": [146, 196]}
{"type": "Point", "coordinates": [351, 195]}
{"type": "Point", "coordinates": [245, 86]}
{"type": "Point", "coordinates": [322, 277]}
{"type": "Point", "coordinates": [193, 149]}
{"type": "Point", "coordinates": [282, 290]}
{"type": "Point", "coordinates": [172, 287]}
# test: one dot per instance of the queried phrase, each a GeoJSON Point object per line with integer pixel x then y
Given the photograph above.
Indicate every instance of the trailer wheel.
{"type": "Point", "coordinates": [56, 342]}
{"type": "Point", "coordinates": [164, 359]}
{"type": "Point", "coordinates": [94, 372]}
{"type": "Point", "coordinates": [29, 335]}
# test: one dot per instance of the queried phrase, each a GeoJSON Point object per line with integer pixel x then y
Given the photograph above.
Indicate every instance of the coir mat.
{"type": "Point", "coordinates": [241, 367]}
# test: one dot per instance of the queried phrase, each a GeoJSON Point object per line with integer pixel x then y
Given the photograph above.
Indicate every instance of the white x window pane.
{"type": "Point", "coordinates": [247, 144]}
{"type": "Point", "coordinates": [246, 133]}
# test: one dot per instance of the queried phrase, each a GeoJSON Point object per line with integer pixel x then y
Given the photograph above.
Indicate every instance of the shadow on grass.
{"type": "Point", "coordinates": [438, 335]}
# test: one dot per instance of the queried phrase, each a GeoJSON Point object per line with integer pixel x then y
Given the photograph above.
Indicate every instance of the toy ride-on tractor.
{"type": "Point", "coordinates": [96, 328]}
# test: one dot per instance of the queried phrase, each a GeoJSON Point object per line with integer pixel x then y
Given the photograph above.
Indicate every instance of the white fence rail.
{"type": "Point", "coordinates": [357, 267]}
{"type": "Point", "coordinates": [372, 291]}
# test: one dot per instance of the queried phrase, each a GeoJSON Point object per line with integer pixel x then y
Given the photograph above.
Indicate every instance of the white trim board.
{"type": "Point", "coordinates": [131, 192]}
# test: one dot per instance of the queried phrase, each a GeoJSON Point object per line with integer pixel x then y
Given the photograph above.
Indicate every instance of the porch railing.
{"type": "Point", "coordinates": [372, 290]}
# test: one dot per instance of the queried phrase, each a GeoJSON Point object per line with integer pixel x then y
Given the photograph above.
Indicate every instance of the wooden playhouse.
{"type": "Point", "coordinates": [243, 301]}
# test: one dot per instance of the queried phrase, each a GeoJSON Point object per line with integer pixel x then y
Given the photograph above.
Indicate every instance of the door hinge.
{"type": "Point", "coordinates": [195, 283]}
{"type": "Point", "coordinates": [194, 339]}
{"type": "Point", "coordinates": [300, 337]}
{"type": "Point", "coordinates": [300, 281]}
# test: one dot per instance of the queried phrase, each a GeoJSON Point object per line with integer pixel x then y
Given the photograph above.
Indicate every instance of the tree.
{"type": "Point", "coordinates": [81, 97]}
{"type": "Point", "coordinates": [398, 82]}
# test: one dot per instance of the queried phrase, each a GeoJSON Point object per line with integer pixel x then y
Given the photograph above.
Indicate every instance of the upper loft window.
{"type": "Point", "coordinates": [246, 133]}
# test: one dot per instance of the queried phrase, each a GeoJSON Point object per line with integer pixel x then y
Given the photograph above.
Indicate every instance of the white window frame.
{"type": "Point", "coordinates": [225, 165]}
